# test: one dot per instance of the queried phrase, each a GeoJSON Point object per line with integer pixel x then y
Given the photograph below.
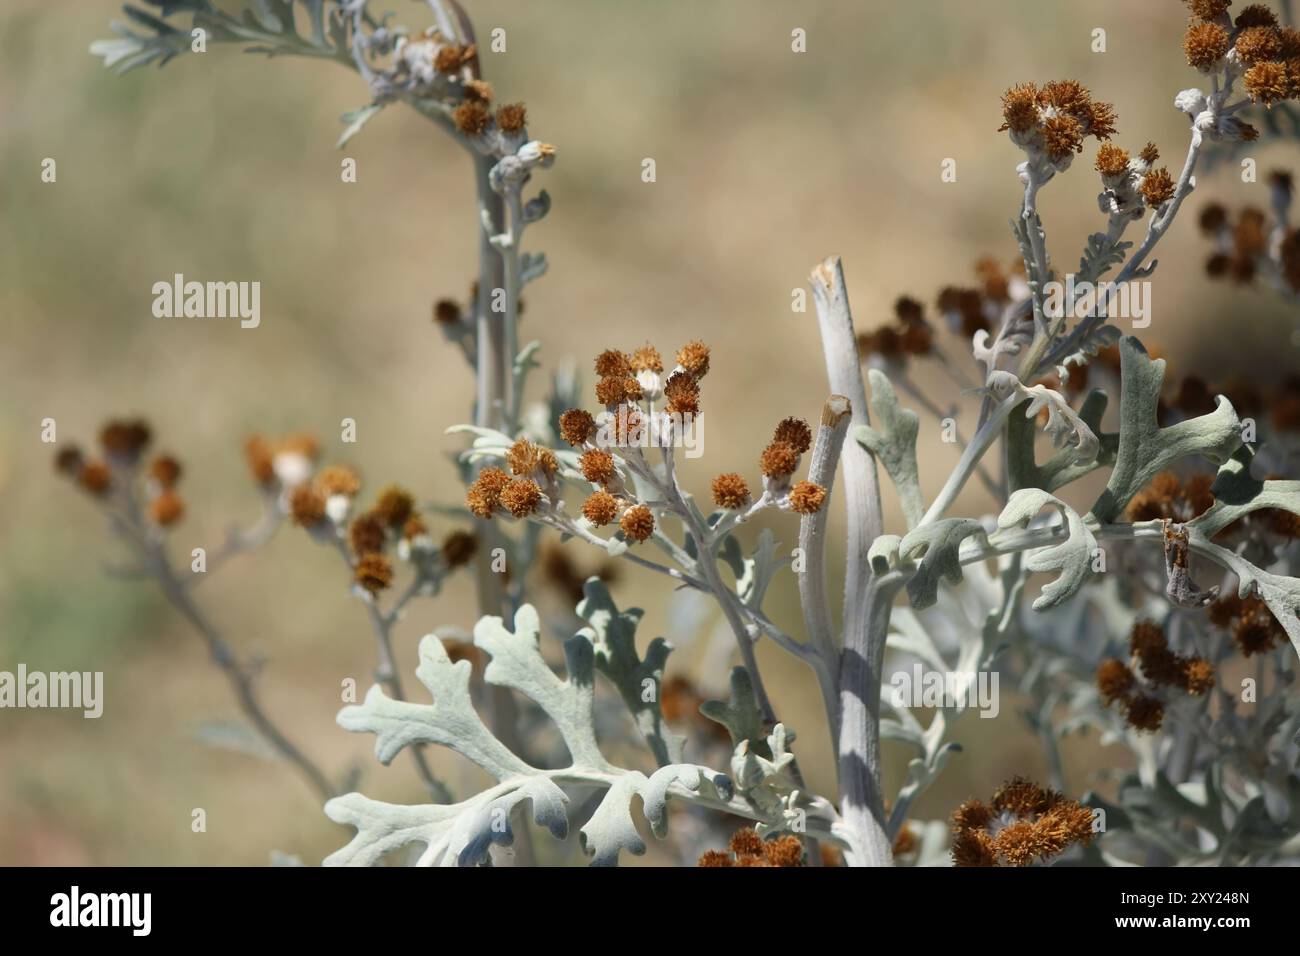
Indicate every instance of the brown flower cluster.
{"type": "Point", "coordinates": [1142, 701]}
{"type": "Point", "coordinates": [628, 385]}
{"type": "Point", "coordinates": [910, 334]}
{"type": "Point", "coordinates": [791, 440]}
{"type": "Point", "coordinates": [747, 848]}
{"type": "Point", "coordinates": [285, 461]}
{"type": "Point", "coordinates": [1169, 497]}
{"type": "Point", "coordinates": [1056, 118]}
{"type": "Point", "coordinates": [1249, 245]}
{"type": "Point", "coordinates": [123, 443]}
{"type": "Point", "coordinates": [1023, 824]}
{"type": "Point", "coordinates": [1252, 626]}
{"type": "Point", "coordinates": [532, 481]}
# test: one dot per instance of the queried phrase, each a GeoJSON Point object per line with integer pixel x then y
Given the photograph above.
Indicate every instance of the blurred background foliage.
{"type": "Point", "coordinates": [222, 166]}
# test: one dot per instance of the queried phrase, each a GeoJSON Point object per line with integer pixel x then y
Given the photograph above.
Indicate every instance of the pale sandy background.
{"type": "Point", "coordinates": [222, 166]}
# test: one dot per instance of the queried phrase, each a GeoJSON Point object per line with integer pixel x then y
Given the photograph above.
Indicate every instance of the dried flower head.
{"type": "Point", "coordinates": [1208, 9]}
{"type": "Point", "coordinates": [521, 497]}
{"type": "Point", "coordinates": [779, 460]}
{"type": "Point", "coordinates": [1112, 160]}
{"type": "Point", "coordinates": [612, 362]}
{"type": "Point", "coordinates": [576, 426]}
{"type": "Point", "coordinates": [1026, 824]}
{"type": "Point", "coordinates": [1020, 108]}
{"type": "Point", "coordinates": [471, 118]}
{"type": "Point", "coordinates": [523, 457]}
{"type": "Point", "coordinates": [95, 477]}
{"type": "Point", "coordinates": [597, 466]}
{"type": "Point", "coordinates": [306, 506]}
{"type": "Point", "coordinates": [367, 535]}
{"type": "Point", "coordinates": [615, 389]}
{"type": "Point", "coordinates": [1269, 82]}
{"type": "Point", "coordinates": [683, 394]}
{"type": "Point", "coordinates": [794, 432]}
{"type": "Point", "coordinates": [1157, 187]}
{"type": "Point", "coordinates": [600, 508]}
{"type": "Point", "coordinates": [807, 497]}
{"type": "Point", "coordinates": [446, 312]}
{"type": "Point", "coordinates": [166, 509]}
{"type": "Point", "coordinates": [394, 506]}
{"type": "Point", "coordinates": [694, 358]}
{"type": "Point", "coordinates": [484, 493]}
{"type": "Point", "coordinates": [730, 491]}
{"type": "Point", "coordinates": [337, 480]}
{"type": "Point", "coordinates": [165, 470]}
{"type": "Point", "coordinates": [511, 117]}
{"type": "Point", "coordinates": [1257, 44]}
{"type": "Point", "coordinates": [374, 572]}
{"type": "Point", "coordinates": [458, 548]}
{"type": "Point", "coordinates": [1145, 713]}
{"type": "Point", "coordinates": [260, 457]}
{"type": "Point", "coordinates": [68, 461]}
{"type": "Point", "coordinates": [1205, 45]}
{"type": "Point", "coordinates": [1114, 681]}
{"type": "Point", "coordinates": [124, 440]}
{"type": "Point", "coordinates": [646, 359]}
{"type": "Point", "coordinates": [637, 523]}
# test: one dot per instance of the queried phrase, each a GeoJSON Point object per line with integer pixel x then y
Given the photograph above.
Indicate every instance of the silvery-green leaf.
{"type": "Point", "coordinates": [892, 440]}
{"type": "Point", "coordinates": [1072, 557]}
{"type": "Point", "coordinates": [1145, 448]}
{"type": "Point", "coordinates": [739, 713]}
{"type": "Point", "coordinates": [937, 546]}
{"type": "Point", "coordinates": [1063, 467]}
{"type": "Point", "coordinates": [883, 553]}
{"type": "Point", "coordinates": [612, 635]}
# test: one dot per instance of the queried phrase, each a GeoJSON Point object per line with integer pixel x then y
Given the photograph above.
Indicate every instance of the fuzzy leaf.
{"type": "Point", "coordinates": [1064, 466]}
{"type": "Point", "coordinates": [893, 442]}
{"type": "Point", "coordinates": [937, 545]}
{"type": "Point", "coordinates": [1144, 447]}
{"type": "Point", "coordinates": [462, 833]}
{"type": "Point", "coordinates": [740, 713]}
{"type": "Point", "coordinates": [612, 635]}
{"type": "Point", "coordinates": [1072, 557]}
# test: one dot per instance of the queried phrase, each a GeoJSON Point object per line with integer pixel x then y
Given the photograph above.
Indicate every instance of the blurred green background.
{"type": "Point", "coordinates": [222, 166]}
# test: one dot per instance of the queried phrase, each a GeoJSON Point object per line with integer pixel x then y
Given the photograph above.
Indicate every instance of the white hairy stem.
{"type": "Point", "coordinates": [866, 607]}
{"type": "Point", "coordinates": [814, 595]}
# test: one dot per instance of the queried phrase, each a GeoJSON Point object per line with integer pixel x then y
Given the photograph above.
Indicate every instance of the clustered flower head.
{"type": "Point", "coordinates": [1250, 245]}
{"type": "Point", "coordinates": [123, 443]}
{"type": "Point", "coordinates": [1254, 46]}
{"type": "Point", "coordinates": [1022, 825]}
{"type": "Point", "coordinates": [778, 462]}
{"type": "Point", "coordinates": [909, 335]}
{"type": "Point", "coordinates": [531, 485]}
{"type": "Point", "coordinates": [285, 463]}
{"type": "Point", "coordinates": [1249, 622]}
{"type": "Point", "coordinates": [965, 310]}
{"type": "Point", "coordinates": [1051, 123]}
{"type": "Point", "coordinates": [640, 399]}
{"type": "Point", "coordinates": [747, 848]}
{"type": "Point", "coordinates": [1132, 184]}
{"type": "Point", "coordinates": [1141, 685]}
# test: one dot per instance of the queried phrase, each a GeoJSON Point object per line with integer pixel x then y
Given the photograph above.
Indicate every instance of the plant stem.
{"type": "Point", "coordinates": [241, 680]}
